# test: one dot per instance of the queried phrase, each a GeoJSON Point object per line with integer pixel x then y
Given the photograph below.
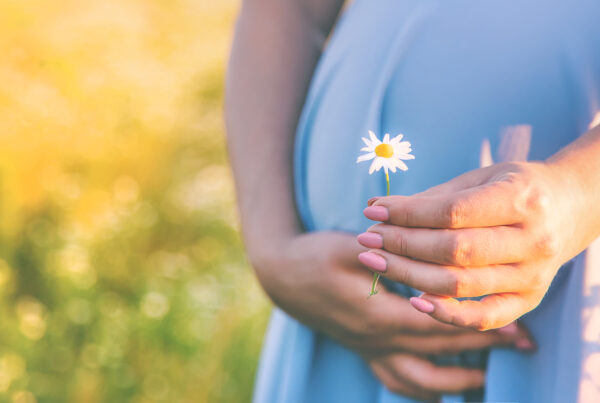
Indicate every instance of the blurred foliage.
{"type": "Point", "coordinates": [122, 274]}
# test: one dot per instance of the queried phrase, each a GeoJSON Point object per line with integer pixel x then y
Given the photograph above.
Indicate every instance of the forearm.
{"type": "Point", "coordinates": [275, 49]}
{"type": "Point", "coordinates": [579, 163]}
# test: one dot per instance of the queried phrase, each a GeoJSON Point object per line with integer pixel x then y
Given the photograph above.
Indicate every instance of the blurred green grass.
{"type": "Point", "coordinates": [122, 272]}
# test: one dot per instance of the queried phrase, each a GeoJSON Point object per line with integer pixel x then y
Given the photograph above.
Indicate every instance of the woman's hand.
{"type": "Point", "coordinates": [318, 279]}
{"type": "Point", "coordinates": [501, 232]}
{"type": "Point", "coordinates": [414, 376]}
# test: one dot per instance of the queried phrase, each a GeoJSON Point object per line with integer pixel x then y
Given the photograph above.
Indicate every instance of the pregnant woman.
{"type": "Point", "coordinates": [469, 84]}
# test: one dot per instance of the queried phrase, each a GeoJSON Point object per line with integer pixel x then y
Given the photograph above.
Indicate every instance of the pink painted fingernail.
{"type": "Point", "coordinates": [373, 261]}
{"type": "Point", "coordinates": [370, 240]}
{"type": "Point", "coordinates": [525, 344]}
{"type": "Point", "coordinates": [510, 330]}
{"type": "Point", "coordinates": [422, 305]}
{"type": "Point", "coordinates": [376, 213]}
{"type": "Point", "coordinates": [372, 200]}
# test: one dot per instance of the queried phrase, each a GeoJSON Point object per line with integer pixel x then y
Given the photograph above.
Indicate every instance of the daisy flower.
{"type": "Point", "coordinates": [387, 154]}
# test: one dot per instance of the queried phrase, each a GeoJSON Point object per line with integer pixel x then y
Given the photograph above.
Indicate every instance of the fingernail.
{"type": "Point", "coordinates": [376, 213]}
{"type": "Point", "coordinates": [370, 240]}
{"type": "Point", "coordinates": [372, 200]}
{"type": "Point", "coordinates": [422, 305]}
{"type": "Point", "coordinates": [373, 261]}
{"type": "Point", "coordinates": [524, 344]}
{"type": "Point", "coordinates": [510, 330]}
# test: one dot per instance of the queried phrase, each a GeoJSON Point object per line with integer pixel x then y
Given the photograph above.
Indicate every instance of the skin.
{"type": "Point", "coordinates": [501, 231]}
{"type": "Point", "coordinates": [317, 277]}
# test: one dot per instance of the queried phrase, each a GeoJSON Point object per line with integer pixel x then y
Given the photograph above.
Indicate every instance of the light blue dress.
{"type": "Point", "coordinates": [450, 75]}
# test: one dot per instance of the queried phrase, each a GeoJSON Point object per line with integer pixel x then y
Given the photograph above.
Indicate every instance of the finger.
{"type": "Point", "coordinates": [491, 312]}
{"type": "Point", "coordinates": [429, 377]}
{"type": "Point", "coordinates": [441, 189]}
{"type": "Point", "coordinates": [452, 281]}
{"type": "Point", "coordinates": [491, 204]}
{"type": "Point", "coordinates": [464, 181]}
{"type": "Point", "coordinates": [391, 314]}
{"type": "Point", "coordinates": [466, 341]}
{"type": "Point", "coordinates": [461, 247]}
{"type": "Point", "coordinates": [388, 376]}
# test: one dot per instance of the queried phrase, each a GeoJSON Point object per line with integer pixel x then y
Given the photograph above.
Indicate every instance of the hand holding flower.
{"type": "Point", "coordinates": [501, 232]}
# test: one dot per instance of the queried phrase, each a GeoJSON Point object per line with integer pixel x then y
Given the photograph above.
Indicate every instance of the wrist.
{"type": "Point", "coordinates": [264, 250]}
{"type": "Point", "coordinates": [579, 203]}
{"type": "Point", "coordinates": [266, 227]}
{"type": "Point", "coordinates": [267, 256]}
{"type": "Point", "coordinates": [579, 162]}
{"type": "Point", "coordinates": [266, 246]}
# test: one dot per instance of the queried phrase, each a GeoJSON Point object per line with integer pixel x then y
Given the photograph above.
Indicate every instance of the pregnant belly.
{"type": "Point", "coordinates": [451, 81]}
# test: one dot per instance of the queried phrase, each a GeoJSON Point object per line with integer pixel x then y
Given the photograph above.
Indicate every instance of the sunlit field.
{"type": "Point", "coordinates": [122, 272]}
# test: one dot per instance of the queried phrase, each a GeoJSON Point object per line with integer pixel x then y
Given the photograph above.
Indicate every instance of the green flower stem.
{"type": "Point", "coordinates": [376, 275]}
{"type": "Point", "coordinates": [387, 182]}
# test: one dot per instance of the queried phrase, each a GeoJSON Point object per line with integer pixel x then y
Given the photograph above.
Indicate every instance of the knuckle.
{"type": "Point", "coordinates": [358, 330]}
{"type": "Point", "coordinates": [365, 328]}
{"type": "Point", "coordinates": [455, 284]}
{"type": "Point", "coordinates": [372, 324]}
{"type": "Point", "coordinates": [538, 280]}
{"type": "Point", "coordinates": [529, 198]}
{"type": "Point", "coordinates": [399, 244]}
{"type": "Point", "coordinates": [516, 178]}
{"type": "Point", "coordinates": [402, 275]}
{"type": "Point", "coordinates": [405, 215]}
{"type": "Point", "coordinates": [458, 320]}
{"type": "Point", "coordinates": [483, 323]}
{"type": "Point", "coordinates": [480, 323]}
{"type": "Point", "coordinates": [460, 250]}
{"type": "Point", "coordinates": [454, 213]}
{"type": "Point", "coordinates": [537, 201]}
{"type": "Point", "coordinates": [548, 244]}
{"type": "Point", "coordinates": [400, 213]}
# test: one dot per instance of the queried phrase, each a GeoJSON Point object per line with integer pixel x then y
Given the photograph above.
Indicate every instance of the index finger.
{"type": "Point", "coordinates": [488, 205]}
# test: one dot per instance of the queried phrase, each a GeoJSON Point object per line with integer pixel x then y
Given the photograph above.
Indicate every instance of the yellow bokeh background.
{"type": "Point", "coordinates": [122, 272]}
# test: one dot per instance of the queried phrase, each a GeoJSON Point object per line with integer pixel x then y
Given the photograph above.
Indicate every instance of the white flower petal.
{"type": "Point", "coordinates": [365, 157]}
{"type": "Point", "coordinates": [403, 144]}
{"type": "Point", "coordinates": [402, 148]}
{"type": "Point", "coordinates": [367, 141]}
{"type": "Point", "coordinates": [374, 139]}
{"type": "Point", "coordinates": [406, 156]}
{"type": "Point", "coordinates": [392, 166]}
{"type": "Point", "coordinates": [376, 165]}
{"type": "Point", "coordinates": [396, 139]}
{"type": "Point", "coordinates": [386, 138]}
{"type": "Point", "coordinates": [372, 167]}
{"type": "Point", "coordinates": [401, 165]}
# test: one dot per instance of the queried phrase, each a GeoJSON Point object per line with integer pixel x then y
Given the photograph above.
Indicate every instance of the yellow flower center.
{"type": "Point", "coordinates": [384, 150]}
